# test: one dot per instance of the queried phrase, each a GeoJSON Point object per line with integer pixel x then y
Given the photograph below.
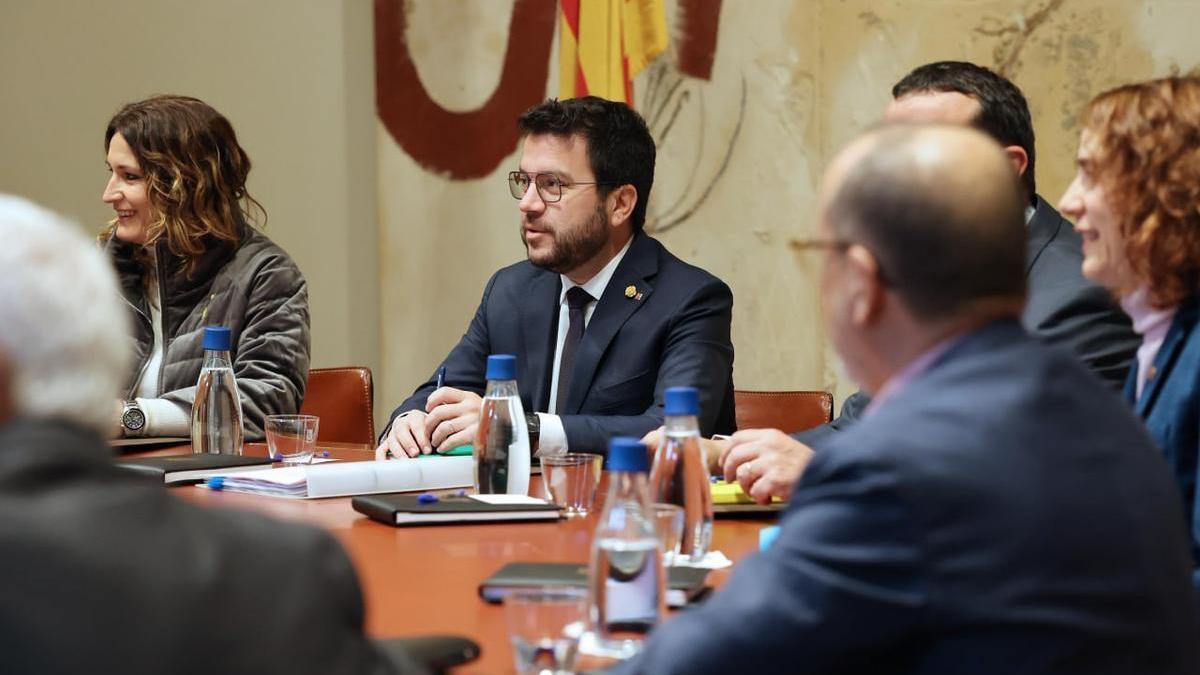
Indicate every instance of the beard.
{"type": "Point", "coordinates": [573, 245]}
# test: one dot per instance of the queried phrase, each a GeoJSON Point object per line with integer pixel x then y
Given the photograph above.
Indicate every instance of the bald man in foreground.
{"type": "Point", "coordinates": [997, 509]}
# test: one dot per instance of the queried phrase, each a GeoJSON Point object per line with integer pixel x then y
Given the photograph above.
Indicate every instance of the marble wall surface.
{"type": "Point", "coordinates": [741, 152]}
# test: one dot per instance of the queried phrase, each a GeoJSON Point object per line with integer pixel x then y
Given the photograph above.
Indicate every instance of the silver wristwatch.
{"type": "Point", "coordinates": [133, 420]}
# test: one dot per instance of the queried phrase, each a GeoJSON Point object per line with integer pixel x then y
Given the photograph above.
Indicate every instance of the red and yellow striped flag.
{"type": "Point", "coordinates": [603, 44]}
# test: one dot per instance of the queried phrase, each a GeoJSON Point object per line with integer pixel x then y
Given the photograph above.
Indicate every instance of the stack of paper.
{"type": "Point", "coordinates": [340, 479]}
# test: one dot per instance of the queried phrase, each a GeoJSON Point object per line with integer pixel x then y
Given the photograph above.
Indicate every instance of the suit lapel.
{"type": "Point", "coordinates": [1041, 229]}
{"type": "Point", "coordinates": [612, 311]}
{"type": "Point", "coordinates": [1181, 328]}
{"type": "Point", "coordinates": [539, 311]}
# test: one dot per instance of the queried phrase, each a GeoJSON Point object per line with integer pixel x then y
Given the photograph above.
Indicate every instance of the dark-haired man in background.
{"type": "Point", "coordinates": [600, 317]}
{"type": "Point", "coordinates": [1064, 308]}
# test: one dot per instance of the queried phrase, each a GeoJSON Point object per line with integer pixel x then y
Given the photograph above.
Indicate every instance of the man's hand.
{"type": "Point", "coordinates": [453, 418]}
{"type": "Point", "coordinates": [406, 437]}
{"type": "Point", "coordinates": [712, 449]}
{"type": "Point", "coordinates": [766, 462]}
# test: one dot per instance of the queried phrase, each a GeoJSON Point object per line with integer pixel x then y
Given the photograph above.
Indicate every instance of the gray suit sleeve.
{"type": "Point", "coordinates": [1085, 320]}
{"type": "Point", "coordinates": [843, 575]}
{"type": "Point", "coordinates": [852, 410]}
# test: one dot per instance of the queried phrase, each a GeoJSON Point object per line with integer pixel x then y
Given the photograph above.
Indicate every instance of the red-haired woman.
{"type": "Point", "coordinates": [187, 257]}
{"type": "Point", "coordinates": [1136, 203]}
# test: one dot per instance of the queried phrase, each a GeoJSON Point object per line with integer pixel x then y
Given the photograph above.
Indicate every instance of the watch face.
{"type": "Point", "coordinates": [133, 419]}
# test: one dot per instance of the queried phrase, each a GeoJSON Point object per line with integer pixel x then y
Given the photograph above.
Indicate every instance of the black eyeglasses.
{"type": "Point", "coordinates": [549, 186]}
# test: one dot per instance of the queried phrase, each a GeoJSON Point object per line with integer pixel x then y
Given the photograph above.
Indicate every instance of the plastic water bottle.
{"type": "Point", "coordinates": [626, 578]}
{"type": "Point", "coordinates": [502, 441]}
{"type": "Point", "coordinates": [217, 410]}
{"type": "Point", "coordinates": [680, 474]}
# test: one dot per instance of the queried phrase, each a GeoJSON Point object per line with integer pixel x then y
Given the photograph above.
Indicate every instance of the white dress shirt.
{"type": "Point", "coordinates": [553, 439]}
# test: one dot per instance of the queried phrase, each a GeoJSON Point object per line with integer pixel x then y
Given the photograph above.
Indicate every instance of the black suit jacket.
{"type": "Point", "coordinates": [673, 332]}
{"type": "Point", "coordinates": [1063, 309]}
{"type": "Point", "coordinates": [1005, 513]}
{"type": "Point", "coordinates": [107, 573]}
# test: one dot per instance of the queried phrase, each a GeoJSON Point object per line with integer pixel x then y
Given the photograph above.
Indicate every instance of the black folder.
{"type": "Point", "coordinates": [684, 584]}
{"type": "Point", "coordinates": [190, 468]}
{"type": "Point", "coordinates": [400, 508]}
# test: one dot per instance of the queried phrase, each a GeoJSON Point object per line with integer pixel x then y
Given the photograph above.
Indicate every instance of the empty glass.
{"type": "Point", "coordinates": [292, 439]}
{"type": "Point", "coordinates": [544, 626]}
{"type": "Point", "coordinates": [668, 520]}
{"type": "Point", "coordinates": [571, 480]}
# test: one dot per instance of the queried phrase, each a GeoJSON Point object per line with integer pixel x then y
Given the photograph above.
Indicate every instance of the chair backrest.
{"type": "Point", "coordinates": [788, 411]}
{"type": "Point", "coordinates": [344, 399]}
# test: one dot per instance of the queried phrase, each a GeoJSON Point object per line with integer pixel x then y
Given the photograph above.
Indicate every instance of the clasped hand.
{"type": "Point", "coordinates": [450, 419]}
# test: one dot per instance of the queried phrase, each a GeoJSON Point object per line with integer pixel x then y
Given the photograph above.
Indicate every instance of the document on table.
{"type": "Point", "coordinates": [341, 479]}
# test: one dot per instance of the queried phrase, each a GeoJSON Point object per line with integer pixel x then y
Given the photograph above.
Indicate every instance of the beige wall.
{"type": "Point", "coordinates": [815, 72]}
{"type": "Point", "coordinates": [296, 78]}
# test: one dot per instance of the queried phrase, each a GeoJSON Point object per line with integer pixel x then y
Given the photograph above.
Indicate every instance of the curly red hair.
{"type": "Point", "coordinates": [1148, 161]}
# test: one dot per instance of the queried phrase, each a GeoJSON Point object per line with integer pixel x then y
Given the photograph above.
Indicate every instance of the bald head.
{"type": "Point", "coordinates": [940, 209]}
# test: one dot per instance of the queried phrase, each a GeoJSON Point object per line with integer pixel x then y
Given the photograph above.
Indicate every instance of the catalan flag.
{"type": "Point", "coordinates": [603, 44]}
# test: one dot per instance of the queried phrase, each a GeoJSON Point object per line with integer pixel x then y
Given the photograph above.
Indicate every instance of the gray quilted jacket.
{"type": "Point", "coordinates": [255, 290]}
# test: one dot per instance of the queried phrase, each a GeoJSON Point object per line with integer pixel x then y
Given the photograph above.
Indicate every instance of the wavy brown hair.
{"type": "Point", "coordinates": [195, 173]}
{"type": "Point", "coordinates": [1148, 161]}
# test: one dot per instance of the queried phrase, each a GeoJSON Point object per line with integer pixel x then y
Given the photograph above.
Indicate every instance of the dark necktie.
{"type": "Point", "coordinates": [577, 301]}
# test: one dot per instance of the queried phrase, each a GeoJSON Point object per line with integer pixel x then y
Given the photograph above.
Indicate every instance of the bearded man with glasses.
{"type": "Point", "coordinates": [601, 317]}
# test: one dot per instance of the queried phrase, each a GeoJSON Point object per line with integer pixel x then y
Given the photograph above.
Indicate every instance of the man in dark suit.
{"type": "Point", "coordinates": [107, 573]}
{"type": "Point", "coordinates": [600, 317]}
{"type": "Point", "coordinates": [998, 509]}
{"type": "Point", "coordinates": [1064, 308]}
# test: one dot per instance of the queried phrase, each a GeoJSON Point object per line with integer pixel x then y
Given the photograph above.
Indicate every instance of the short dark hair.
{"type": "Point", "coordinates": [1003, 115]}
{"type": "Point", "coordinates": [939, 249]}
{"type": "Point", "coordinates": [620, 148]}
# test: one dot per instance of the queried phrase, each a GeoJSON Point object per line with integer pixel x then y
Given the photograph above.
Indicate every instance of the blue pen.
{"type": "Point", "coordinates": [441, 377]}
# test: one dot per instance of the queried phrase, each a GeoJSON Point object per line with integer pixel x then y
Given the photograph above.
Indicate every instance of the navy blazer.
{"type": "Point", "coordinates": [1004, 513]}
{"type": "Point", "coordinates": [1170, 406]}
{"type": "Point", "coordinates": [674, 331]}
{"type": "Point", "coordinates": [1063, 308]}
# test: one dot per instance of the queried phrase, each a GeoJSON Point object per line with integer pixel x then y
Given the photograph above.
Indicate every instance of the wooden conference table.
{"type": "Point", "coordinates": [423, 580]}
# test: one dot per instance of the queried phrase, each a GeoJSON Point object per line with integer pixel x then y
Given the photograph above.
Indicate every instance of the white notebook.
{"type": "Point", "coordinates": [342, 479]}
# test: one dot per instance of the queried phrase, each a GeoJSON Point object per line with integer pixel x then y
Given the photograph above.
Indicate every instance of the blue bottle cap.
{"type": "Point", "coordinates": [767, 536]}
{"type": "Point", "coordinates": [501, 367]}
{"type": "Point", "coordinates": [681, 401]}
{"type": "Point", "coordinates": [628, 454]}
{"type": "Point", "coordinates": [217, 338]}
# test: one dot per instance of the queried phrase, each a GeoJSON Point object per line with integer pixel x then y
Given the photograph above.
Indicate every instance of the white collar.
{"type": "Point", "coordinates": [596, 285]}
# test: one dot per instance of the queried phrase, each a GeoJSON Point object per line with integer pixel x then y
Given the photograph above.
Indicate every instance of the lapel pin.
{"type": "Point", "coordinates": [631, 291]}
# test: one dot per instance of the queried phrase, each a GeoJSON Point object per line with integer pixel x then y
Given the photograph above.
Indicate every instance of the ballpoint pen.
{"type": "Point", "coordinates": [441, 377]}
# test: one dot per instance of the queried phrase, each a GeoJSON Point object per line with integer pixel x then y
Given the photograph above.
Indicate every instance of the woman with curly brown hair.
{"type": "Point", "coordinates": [1136, 202]}
{"type": "Point", "coordinates": [187, 257]}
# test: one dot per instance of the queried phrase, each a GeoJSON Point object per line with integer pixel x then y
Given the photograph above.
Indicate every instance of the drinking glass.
{"type": "Point", "coordinates": [571, 480]}
{"type": "Point", "coordinates": [668, 520]}
{"type": "Point", "coordinates": [292, 439]}
{"type": "Point", "coordinates": [544, 626]}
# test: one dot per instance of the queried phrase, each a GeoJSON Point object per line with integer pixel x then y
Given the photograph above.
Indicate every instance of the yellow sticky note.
{"type": "Point", "coordinates": [732, 493]}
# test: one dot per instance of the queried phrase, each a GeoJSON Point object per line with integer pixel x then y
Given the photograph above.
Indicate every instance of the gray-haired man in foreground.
{"type": "Point", "coordinates": [107, 574]}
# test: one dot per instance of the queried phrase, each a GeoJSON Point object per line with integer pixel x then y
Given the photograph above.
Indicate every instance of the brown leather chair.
{"type": "Point", "coordinates": [344, 399]}
{"type": "Point", "coordinates": [788, 411]}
